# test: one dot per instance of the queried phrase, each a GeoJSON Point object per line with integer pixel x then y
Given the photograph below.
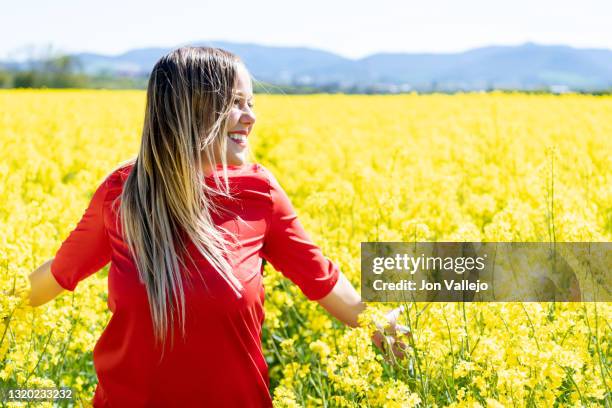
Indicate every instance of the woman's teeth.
{"type": "Point", "coordinates": [238, 137]}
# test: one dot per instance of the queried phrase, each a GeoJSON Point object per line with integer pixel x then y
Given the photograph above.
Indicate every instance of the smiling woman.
{"type": "Point", "coordinates": [186, 248]}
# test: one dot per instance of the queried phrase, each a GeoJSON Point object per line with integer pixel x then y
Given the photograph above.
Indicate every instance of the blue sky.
{"type": "Point", "coordinates": [350, 28]}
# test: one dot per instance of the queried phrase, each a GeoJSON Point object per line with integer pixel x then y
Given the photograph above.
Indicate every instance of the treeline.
{"type": "Point", "coordinates": [64, 72]}
{"type": "Point", "coordinates": [56, 72]}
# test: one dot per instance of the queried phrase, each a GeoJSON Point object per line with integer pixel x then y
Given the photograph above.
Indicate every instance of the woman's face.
{"type": "Point", "coordinates": [241, 119]}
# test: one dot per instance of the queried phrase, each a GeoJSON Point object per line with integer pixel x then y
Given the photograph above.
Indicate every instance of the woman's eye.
{"type": "Point", "coordinates": [237, 102]}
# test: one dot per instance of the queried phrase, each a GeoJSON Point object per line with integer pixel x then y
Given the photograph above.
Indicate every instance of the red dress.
{"type": "Point", "coordinates": [220, 362]}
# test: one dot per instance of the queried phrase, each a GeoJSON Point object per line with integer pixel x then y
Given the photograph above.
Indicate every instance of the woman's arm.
{"type": "Point", "coordinates": [290, 250]}
{"type": "Point", "coordinates": [343, 302]}
{"type": "Point", "coordinates": [43, 286]}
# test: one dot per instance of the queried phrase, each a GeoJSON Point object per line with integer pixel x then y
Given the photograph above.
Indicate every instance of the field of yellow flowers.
{"type": "Point", "coordinates": [473, 167]}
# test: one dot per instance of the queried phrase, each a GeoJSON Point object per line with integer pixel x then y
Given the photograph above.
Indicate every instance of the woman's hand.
{"type": "Point", "coordinates": [345, 304]}
{"type": "Point", "coordinates": [388, 337]}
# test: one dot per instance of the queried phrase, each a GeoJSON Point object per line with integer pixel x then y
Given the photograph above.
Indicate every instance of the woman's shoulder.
{"type": "Point", "coordinates": [249, 171]}
{"type": "Point", "coordinates": [262, 175]}
{"type": "Point", "coordinates": [114, 180]}
{"type": "Point", "coordinates": [252, 180]}
{"type": "Point", "coordinates": [245, 177]}
{"type": "Point", "coordinates": [120, 173]}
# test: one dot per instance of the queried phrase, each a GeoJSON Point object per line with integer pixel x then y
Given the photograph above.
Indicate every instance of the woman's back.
{"type": "Point", "coordinates": [219, 362]}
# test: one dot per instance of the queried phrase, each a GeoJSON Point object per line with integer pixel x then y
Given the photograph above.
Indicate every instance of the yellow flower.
{"type": "Point", "coordinates": [321, 348]}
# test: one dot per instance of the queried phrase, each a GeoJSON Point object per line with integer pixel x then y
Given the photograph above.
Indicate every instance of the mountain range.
{"type": "Point", "coordinates": [526, 66]}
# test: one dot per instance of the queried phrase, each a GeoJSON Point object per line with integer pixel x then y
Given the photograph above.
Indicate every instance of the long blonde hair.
{"type": "Point", "coordinates": [189, 97]}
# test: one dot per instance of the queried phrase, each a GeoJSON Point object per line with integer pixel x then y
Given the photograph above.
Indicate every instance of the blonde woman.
{"type": "Point", "coordinates": [185, 226]}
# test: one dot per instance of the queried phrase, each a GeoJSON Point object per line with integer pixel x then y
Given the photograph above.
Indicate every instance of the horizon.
{"type": "Point", "coordinates": [524, 43]}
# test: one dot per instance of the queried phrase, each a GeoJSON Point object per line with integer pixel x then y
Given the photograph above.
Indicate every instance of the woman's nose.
{"type": "Point", "coordinates": [248, 117]}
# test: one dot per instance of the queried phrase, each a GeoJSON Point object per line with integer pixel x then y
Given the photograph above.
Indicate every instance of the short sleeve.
{"type": "Point", "coordinates": [290, 250]}
{"type": "Point", "coordinates": [87, 248]}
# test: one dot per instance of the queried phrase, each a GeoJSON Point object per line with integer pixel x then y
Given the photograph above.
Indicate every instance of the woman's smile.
{"type": "Point", "coordinates": [238, 138]}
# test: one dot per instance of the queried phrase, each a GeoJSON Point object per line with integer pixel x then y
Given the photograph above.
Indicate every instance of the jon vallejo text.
{"type": "Point", "coordinates": [449, 284]}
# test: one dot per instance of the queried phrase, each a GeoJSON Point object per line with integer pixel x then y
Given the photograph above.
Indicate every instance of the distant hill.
{"type": "Point", "coordinates": [528, 66]}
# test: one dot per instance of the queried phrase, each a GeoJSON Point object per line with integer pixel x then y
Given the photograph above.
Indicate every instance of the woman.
{"type": "Point", "coordinates": [185, 226]}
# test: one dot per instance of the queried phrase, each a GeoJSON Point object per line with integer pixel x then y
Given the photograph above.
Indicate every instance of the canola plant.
{"type": "Point", "coordinates": [464, 167]}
